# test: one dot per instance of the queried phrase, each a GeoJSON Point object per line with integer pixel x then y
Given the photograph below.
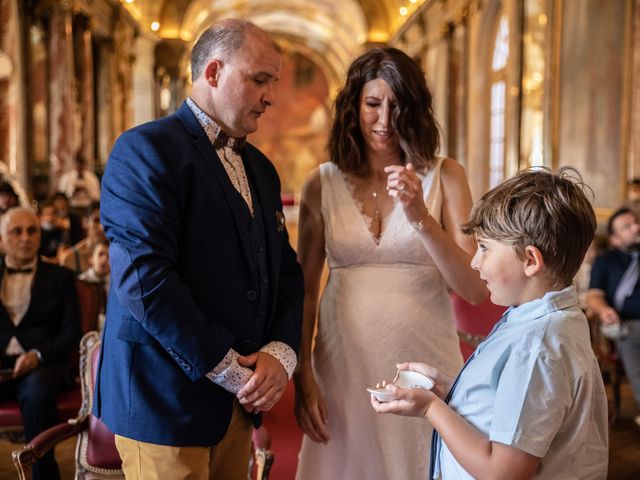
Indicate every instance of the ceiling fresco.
{"type": "Point", "coordinates": [330, 32]}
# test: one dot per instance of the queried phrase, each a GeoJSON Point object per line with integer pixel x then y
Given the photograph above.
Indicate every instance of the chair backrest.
{"type": "Point", "coordinates": [262, 459]}
{"type": "Point", "coordinates": [474, 322]}
{"type": "Point", "coordinates": [96, 450]}
{"type": "Point", "coordinates": [92, 300]}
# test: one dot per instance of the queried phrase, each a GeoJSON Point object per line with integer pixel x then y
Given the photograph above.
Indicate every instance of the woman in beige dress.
{"type": "Point", "coordinates": [385, 214]}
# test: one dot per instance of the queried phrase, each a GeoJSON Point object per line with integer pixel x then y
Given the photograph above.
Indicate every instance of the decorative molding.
{"type": "Point", "coordinates": [628, 168]}
{"type": "Point", "coordinates": [555, 73]}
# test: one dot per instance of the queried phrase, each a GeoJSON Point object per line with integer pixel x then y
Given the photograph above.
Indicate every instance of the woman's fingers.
{"type": "Point", "coordinates": [313, 422]}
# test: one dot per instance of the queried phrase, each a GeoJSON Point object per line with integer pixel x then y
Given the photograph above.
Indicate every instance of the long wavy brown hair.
{"type": "Point", "coordinates": [413, 120]}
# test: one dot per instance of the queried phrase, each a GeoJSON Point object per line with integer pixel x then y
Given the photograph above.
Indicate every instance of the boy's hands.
{"type": "Point", "coordinates": [414, 402]}
{"type": "Point", "coordinates": [442, 381]}
{"type": "Point", "coordinates": [410, 402]}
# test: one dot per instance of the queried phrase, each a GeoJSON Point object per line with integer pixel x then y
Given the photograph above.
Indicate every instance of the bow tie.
{"type": "Point", "coordinates": [224, 140]}
{"type": "Point", "coordinates": [11, 271]}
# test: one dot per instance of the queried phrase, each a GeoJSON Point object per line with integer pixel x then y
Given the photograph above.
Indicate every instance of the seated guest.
{"type": "Point", "coordinates": [8, 197]}
{"type": "Point", "coordinates": [77, 257]}
{"type": "Point", "coordinates": [39, 328]}
{"type": "Point", "coordinates": [614, 293]}
{"type": "Point", "coordinates": [52, 234]}
{"type": "Point", "coordinates": [71, 222]}
{"type": "Point", "coordinates": [81, 186]}
{"type": "Point", "coordinates": [98, 273]}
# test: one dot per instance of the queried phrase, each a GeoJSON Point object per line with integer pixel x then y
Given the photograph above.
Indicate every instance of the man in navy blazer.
{"type": "Point", "coordinates": [204, 313]}
{"type": "Point", "coordinates": [39, 329]}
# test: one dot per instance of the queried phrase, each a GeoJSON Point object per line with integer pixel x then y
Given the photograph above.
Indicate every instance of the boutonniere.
{"type": "Point", "coordinates": [280, 221]}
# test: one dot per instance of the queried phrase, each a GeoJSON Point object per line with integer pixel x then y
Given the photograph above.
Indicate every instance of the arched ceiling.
{"type": "Point", "coordinates": [330, 32]}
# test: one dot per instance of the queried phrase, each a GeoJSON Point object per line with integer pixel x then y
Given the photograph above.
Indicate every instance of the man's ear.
{"type": "Point", "coordinates": [613, 240]}
{"type": "Point", "coordinates": [533, 261]}
{"type": "Point", "coordinates": [212, 71]}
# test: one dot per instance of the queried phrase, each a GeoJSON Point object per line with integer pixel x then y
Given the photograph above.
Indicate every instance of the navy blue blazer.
{"type": "Point", "coordinates": [184, 281]}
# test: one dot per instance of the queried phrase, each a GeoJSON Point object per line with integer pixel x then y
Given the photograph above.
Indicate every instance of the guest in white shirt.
{"type": "Point", "coordinates": [98, 271]}
{"type": "Point", "coordinates": [98, 274]}
{"type": "Point", "coordinates": [80, 185]}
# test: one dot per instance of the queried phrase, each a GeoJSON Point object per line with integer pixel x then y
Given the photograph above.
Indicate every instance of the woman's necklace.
{"type": "Point", "coordinates": [377, 217]}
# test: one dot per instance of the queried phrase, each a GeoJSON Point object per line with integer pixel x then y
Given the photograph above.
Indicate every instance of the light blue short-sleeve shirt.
{"type": "Point", "coordinates": [535, 384]}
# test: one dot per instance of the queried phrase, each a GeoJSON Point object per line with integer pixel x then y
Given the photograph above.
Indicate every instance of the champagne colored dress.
{"type": "Point", "coordinates": [385, 302]}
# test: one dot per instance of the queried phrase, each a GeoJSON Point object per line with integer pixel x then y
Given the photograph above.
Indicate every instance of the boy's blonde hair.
{"type": "Point", "coordinates": [548, 211]}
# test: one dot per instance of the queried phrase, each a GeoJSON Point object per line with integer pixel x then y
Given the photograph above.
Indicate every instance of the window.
{"type": "Point", "coordinates": [498, 96]}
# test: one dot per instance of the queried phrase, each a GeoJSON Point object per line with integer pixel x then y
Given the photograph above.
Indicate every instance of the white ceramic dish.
{"type": "Point", "coordinates": [404, 379]}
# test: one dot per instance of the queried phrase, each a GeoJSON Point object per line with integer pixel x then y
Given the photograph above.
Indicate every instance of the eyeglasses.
{"type": "Point", "coordinates": [18, 231]}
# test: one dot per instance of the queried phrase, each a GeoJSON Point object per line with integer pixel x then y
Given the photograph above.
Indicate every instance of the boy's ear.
{"type": "Point", "coordinates": [533, 261]}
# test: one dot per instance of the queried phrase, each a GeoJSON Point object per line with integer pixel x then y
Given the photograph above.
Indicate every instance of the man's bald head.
{"type": "Point", "coordinates": [221, 40]}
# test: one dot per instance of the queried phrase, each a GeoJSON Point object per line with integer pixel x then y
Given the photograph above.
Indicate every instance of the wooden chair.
{"type": "Point", "coordinates": [91, 299]}
{"type": "Point", "coordinates": [610, 365]}
{"type": "Point", "coordinates": [262, 459]}
{"type": "Point", "coordinates": [96, 455]}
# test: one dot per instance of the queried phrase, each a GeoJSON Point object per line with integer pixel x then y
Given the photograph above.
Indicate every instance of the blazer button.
{"type": "Point", "coordinates": [265, 280]}
{"type": "Point", "coordinates": [252, 295]}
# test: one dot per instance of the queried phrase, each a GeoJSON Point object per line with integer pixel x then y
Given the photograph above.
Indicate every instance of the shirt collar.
{"type": "Point", "coordinates": [91, 276]}
{"type": "Point", "coordinates": [216, 135]}
{"type": "Point", "coordinates": [32, 264]}
{"type": "Point", "coordinates": [548, 303]}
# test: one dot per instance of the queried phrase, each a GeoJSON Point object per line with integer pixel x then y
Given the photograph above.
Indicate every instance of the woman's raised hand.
{"type": "Point", "coordinates": [404, 184]}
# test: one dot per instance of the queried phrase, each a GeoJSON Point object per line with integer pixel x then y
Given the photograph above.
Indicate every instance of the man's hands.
{"type": "Point", "coordinates": [266, 385]}
{"type": "Point", "coordinates": [609, 316]}
{"type": "Point", "coordinates": [25, 363]}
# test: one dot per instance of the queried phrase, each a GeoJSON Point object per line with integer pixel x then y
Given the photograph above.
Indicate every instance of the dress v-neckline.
{"type": "Point", "coordinates": [366, 220]}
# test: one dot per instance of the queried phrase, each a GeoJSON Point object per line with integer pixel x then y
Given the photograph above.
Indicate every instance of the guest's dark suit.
{"type": "Point", "coordinates": [52, 321]}
{"type": "Point", "coordinates": [187, 281]}
{"type": "Point", "coordinates": [52, 326]}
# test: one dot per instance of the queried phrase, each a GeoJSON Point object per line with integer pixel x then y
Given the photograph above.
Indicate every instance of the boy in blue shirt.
{"type": "Point", "coordinates": [530, 402]}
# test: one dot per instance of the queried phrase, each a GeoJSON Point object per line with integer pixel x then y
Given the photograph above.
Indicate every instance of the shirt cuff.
{"type": "Point", "coordinates": [38, 354]}
{"type": "Point", "coordinates": [229, 374]}
{"type": "Point", "coordinates": [284, 354]}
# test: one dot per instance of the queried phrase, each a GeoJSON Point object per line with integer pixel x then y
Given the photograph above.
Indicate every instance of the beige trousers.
{"type": "Point", "coordinates": [228, 460]}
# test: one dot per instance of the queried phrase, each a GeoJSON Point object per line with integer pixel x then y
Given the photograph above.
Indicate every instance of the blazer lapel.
{"type": "Point", "coordinates": [4, 315]}
{"type": "Point", "coordinates": [211, 161]}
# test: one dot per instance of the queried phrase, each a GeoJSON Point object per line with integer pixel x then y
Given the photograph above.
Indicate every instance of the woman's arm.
{"type": "Point", "coordinates": [311, 410]}
{"type": "Point", "coordinates": [453, 258]}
